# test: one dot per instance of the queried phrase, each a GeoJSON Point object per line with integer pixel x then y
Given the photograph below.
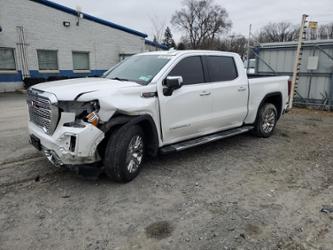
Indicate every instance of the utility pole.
{"type": "Point", "coordinates": [248, 50]}
{"type": "Point", "coordinates": [298, 60]}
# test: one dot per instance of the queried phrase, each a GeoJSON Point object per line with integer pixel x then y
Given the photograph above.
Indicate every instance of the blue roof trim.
{"type": "Point", "coordinates": [155, 44]}
{"type": "Point", "coordinates": [89, 17]}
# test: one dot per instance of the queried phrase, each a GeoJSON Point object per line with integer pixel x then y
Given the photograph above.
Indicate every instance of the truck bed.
{"type": "Point", "coordinates": [250, 76]}
{"type": "Point", "coordinates": [260, 86]}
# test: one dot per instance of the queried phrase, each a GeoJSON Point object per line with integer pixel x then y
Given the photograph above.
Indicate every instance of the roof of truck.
{"type": "Point", "coordinates": [173, 52]}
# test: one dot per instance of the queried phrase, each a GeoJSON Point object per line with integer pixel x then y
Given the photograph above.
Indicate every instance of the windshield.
{"type": "Point", "coordinates": [140, 68]}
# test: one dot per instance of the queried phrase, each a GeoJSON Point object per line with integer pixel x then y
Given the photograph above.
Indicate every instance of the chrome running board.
{"type": "Point", "coordinates": [203, 140]}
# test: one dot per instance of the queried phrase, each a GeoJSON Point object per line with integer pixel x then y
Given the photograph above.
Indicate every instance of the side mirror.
{"type": "Point", "coordinates": [172, 83]}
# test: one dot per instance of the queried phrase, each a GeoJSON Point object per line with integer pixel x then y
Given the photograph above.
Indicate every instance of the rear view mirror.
{"type": "Point", "coordinates": [172, 83]}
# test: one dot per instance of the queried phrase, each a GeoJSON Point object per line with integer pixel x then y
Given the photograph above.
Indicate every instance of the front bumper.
{"type": "Point", "coordinates": [69, 145]}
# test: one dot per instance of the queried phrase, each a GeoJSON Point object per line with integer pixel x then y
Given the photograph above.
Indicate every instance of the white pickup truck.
{"type": "Point", "coordinates": [156, 102]}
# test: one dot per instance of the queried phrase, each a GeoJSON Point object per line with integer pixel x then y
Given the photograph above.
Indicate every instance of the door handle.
{"type": "Point", "coordinates": [241, 89]}
{"type": "Point", "coordinates": [204, 93]}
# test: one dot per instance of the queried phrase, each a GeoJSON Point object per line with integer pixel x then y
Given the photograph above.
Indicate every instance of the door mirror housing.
{"type": "Point", "coordinates": [172, 83]}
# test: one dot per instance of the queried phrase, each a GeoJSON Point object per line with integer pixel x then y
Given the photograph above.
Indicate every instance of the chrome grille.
{"type": "Point", "coordinates": [43, 110]}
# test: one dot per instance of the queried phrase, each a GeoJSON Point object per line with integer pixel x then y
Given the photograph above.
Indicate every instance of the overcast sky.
{"type": "Point", "coordinates": [138, 14]}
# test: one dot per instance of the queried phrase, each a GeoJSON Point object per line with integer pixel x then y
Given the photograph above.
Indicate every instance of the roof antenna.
{"type": "Point", "coordinates": [79, 14]}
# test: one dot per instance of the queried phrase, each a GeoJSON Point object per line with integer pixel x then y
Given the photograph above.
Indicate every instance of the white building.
{"type": "Point", "coordinates": [42, 39]}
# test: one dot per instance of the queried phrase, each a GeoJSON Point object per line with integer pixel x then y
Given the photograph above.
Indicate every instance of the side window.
{"type": "Point", "coordinates": [190, 69]}
{"type": "Point", "coordinates": [221, 68]}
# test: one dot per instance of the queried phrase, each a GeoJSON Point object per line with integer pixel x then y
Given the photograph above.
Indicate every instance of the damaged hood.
{"type": "Point", "coordinates": [68, 90]}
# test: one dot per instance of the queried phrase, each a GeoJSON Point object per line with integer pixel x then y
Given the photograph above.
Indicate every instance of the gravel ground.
{"type": "Point", "coordinates": [239, 193]}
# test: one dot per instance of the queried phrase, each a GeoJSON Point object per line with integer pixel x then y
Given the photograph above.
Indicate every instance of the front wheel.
{"type": "Point", "coordinates": [266, 120]}
{"type": "Point", "coordinates": [124, 153]}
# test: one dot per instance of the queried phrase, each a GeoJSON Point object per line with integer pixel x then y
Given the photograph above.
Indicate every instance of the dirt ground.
{"type": "Point", "coordinates": [238, 193]}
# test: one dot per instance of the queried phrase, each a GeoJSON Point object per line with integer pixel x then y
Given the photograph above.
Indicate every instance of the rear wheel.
{"type": "Point", "coordinates": [266, 120]}
{"type": "Point", "coordinates": [124, 153]}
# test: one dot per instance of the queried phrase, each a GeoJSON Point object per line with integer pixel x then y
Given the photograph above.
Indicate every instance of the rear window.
{"type": "Point", "coordinates": [221, 68]}
{"type": "Point", "coordinates": [190, 69]}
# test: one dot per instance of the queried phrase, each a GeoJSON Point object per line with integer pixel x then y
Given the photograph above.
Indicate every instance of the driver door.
{"type": "Point", "coordinates": [185, 112]}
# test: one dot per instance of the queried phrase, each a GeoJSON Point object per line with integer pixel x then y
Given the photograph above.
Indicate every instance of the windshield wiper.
{"type": "Point", "coordinates": [119, 79]}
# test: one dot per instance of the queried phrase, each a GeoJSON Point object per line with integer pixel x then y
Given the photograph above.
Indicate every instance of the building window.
{"type": "Point", "coordinates": [47, 59]}
{"type": "Point", "coordinates": [7, 59]}
{"type": "Point", "coordinates": [81, 60]}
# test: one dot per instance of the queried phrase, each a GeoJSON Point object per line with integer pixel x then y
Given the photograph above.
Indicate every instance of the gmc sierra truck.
{"type": "Point", "coordinates": [150, 103]}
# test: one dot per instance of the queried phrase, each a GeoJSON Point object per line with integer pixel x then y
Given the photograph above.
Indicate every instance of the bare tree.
{"type": "Point", "coordinates": [158, 28]}
{"type": "Point", "coordinates": [326, 31]}
{"type": "Point", "coordinates": [234, 43]}
{"type": "Point", "coordinates": [202, 22]}
{"type": "Point", "coordinates": [277, 32]}
{"type": "Point", "coordinates": [181, 46]}
{"type": "Point", "coordinates": [311, 34]}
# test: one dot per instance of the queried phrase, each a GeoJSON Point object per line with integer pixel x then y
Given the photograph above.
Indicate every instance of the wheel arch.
{"type": "Point", "coordinates": [147, 124]}
{"type": "Point", "coordinates": [276, 99]}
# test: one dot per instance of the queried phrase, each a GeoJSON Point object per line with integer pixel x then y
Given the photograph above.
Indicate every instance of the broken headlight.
{"type": "Point", "coordinates": [84, 111]}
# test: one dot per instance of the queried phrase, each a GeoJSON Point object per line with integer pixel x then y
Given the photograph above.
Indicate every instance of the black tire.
{"type": "Point", "coordinates": [263, 127]}
{"type": "Point", "coordinates": [118, 155]}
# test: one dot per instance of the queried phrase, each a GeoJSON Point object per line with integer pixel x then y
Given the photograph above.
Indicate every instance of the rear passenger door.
{"type": "Point", "coordinates": [229, 92]}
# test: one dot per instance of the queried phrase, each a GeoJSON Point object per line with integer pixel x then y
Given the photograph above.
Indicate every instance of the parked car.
{"type": "Point", "coordinates": [156, 102]}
